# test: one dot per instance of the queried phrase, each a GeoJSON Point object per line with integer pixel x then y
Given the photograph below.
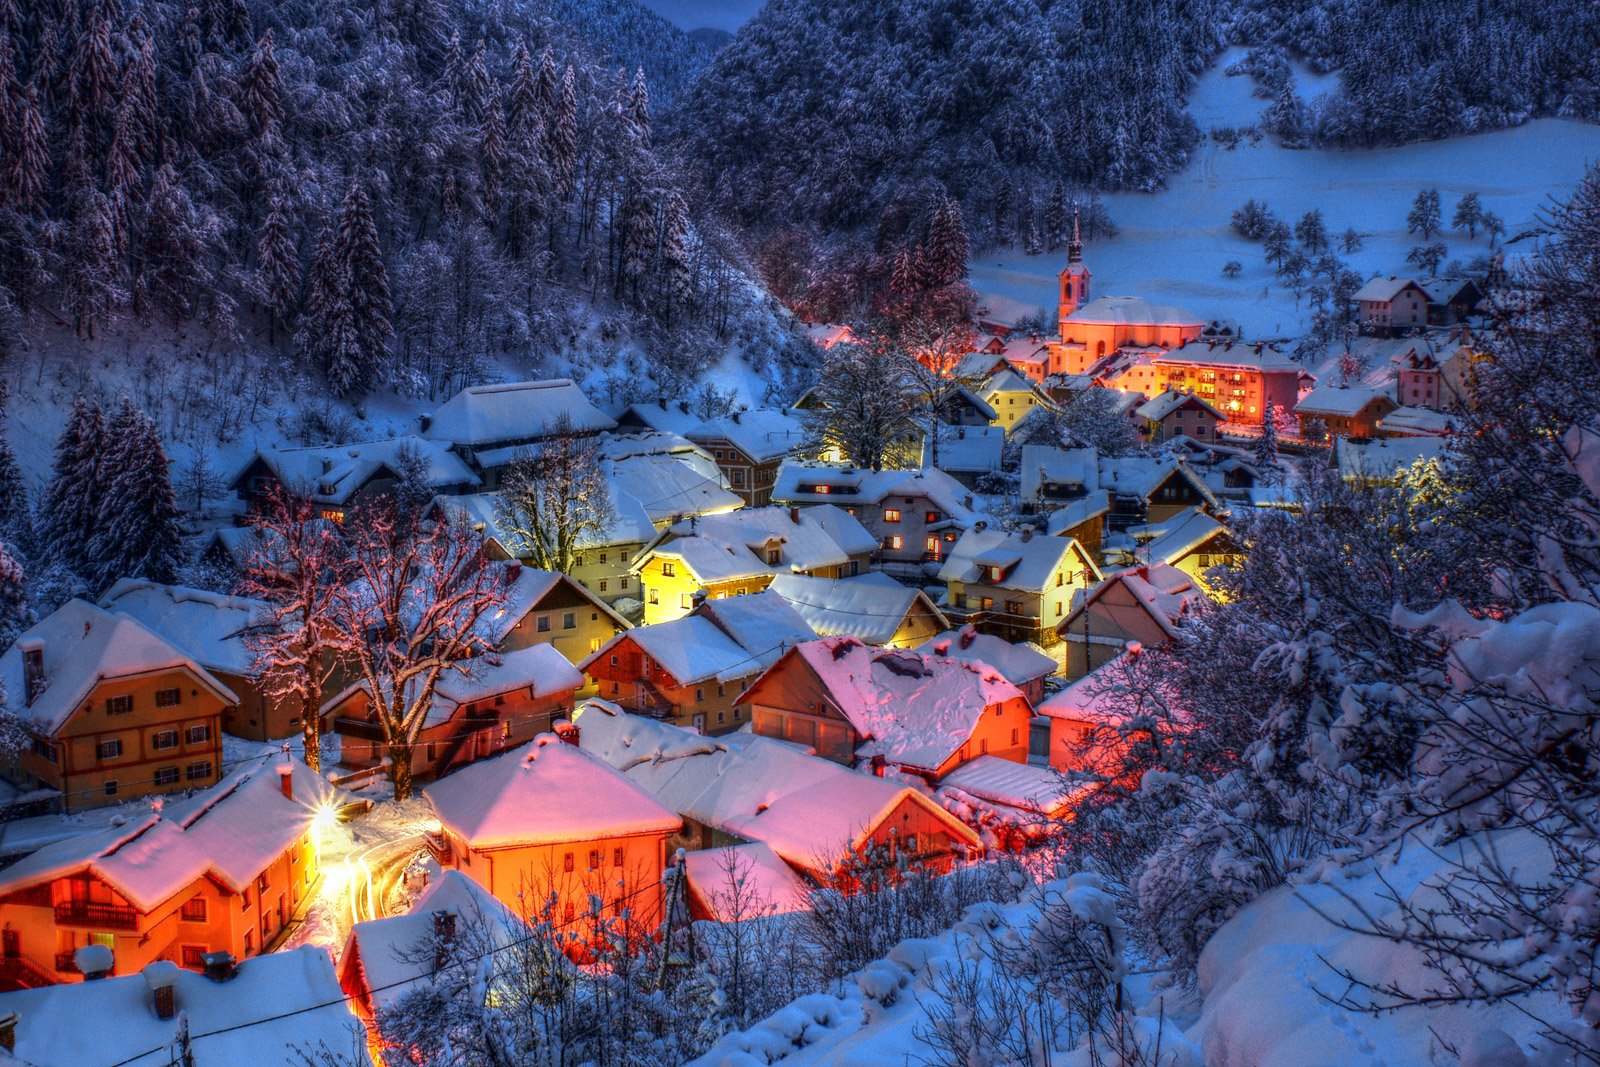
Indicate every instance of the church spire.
{"type": "Point", "coordinates": [1075, 249]}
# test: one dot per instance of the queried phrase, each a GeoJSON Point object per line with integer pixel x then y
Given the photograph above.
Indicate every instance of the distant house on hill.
{"type": "Point", "coordinates": [1388, 304]}
{"type": "Point", "coordinates": [1344, 411]}
{"type": "Point", "coordinates": [488, 425]}
{"type": "Point", "coordinates": [340, 478]}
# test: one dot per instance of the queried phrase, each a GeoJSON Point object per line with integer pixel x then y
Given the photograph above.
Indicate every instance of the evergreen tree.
{"type": "Point", "coordinates": [1056, 218]}
{"type": "Point", "coordinates": [561, 145]}
{"type": "Point", "coordinates": [947, 245]}
{"type": "Point", "coordinates": [16, 612]}
{"type": "Point", "coordinates": [347, 317]}
{"type": "Point", "coordinates": [1266, 447]}
{"type": "Point", "coordinates": [69, 515]}
{"type": "Point", "coordinates": [1423, 219]}
{"type": "Point", "coordinates": [638, 111]}
{"type": "Point", "coordinates": [638, 242]}
{"type": "Point", "coordinates": [174, 258]}
{"type": "Point", "coordinates": [93, 271]}
{"type": "Point", "coordinates": [676, 277]}
{"type": "Point", "coordinates": [277, 281]}
{"type": "Point", "coordinates": [139, 531]}
{"type": "Point", "coordinates": [261, 88]}
{"type": "Point", "coordinates": [15, 514]}
{"type": "Point", "coordinates": [29, 167]}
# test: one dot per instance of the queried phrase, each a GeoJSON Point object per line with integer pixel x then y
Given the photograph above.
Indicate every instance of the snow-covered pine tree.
{"type": "Point", "coordinates": [638, 110]}
{"type": "Point", "coordinates": [947, 245]}
{"type": "Point", "coordinates": [93, 279]}
{"type": "Point", "coordinates": [1266, 447]}
{"type": "Point", "coordinates": [29, 167]}
{"type": "Point", "coordinates": [277, 280]}
{"type": "Point", "coordinates": [677, 281]}
{"type": "Point", "coordinates": [366, 295]}
{"type": "Point", "coordinates": [1056, 214]}
{"type": "Point", "coordinates": [261, 87]}
{"type": "Point", "coordinates": [173, 258]}
{"type": "Point", "coordinates": [638, 242]}
{"type": "Point", "coordinates": [69, 515]}
{"type": "Point", "coordinates": [15, 513]}
{"type": "Point", "coordinates": [140, 531]}
{"type": "Point", "coordinates": [16, 613]}
{"type": "Point", "coordinates": [561, 138]}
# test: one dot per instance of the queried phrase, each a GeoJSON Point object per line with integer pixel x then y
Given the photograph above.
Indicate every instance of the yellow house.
{"type": "Point", "coordinates": [740, 552]}
{"type": "Point", "coordinates": [1012, 396]}
{"type": "Point", "coordinates": [1192, 541]}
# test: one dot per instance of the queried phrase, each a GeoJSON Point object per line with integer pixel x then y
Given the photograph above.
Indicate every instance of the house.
{"type": "Point", "coordinates": [1065, 484]}
{"type": "Point", "coordinates": [1012, 396]}
{"type": "Point", "coordinates": [1192, 541]}
{"type": "Point", "coordinates": [1087, 718]}
{"type": "Point", "coordinates": [817, 816]}
{"type": "Point", "coordinates": [966, 453]}
{"type": "Point", "coordinates": [739, 883]}
{"type": "Point", "coordinates": [224, 870]}
{"type": "Point", "coordinates": [1386, 460]}
{"type": "Point", "coordinates": [1240, 380]}
{"type": "Point", "coordinates": [493, 704]}
{"type": "Point", "coordinates": [340, 478]}
{"type": "Point", "coordinates": [1177, 414]}
{"type": "Point", "coordinates": [1017, 804]}
{"type": "Point", "coordinates": [547, 827]}
{"type": "Point", "coordinates": [213, 630]}
{"type": "Point", "coordinates": [728, 555]}
{"type": "Point", "coordinates": [602, 561]}
{"type": "Point", "coordinates": [748, 446]}
{"type": "Point", "coordinates": [488, 425]}
{"type": "Point", "coordinates": [851, 703]}
{"type": "Point", "coordinates": [914, 514]}
{"type": "Point", "coordinates": [1141, 604]}
{"type": "Point", "coordinates": [1344, 411]}
{"type": "Point", "coordinates": [827, 334]}
{"type": "Point", "coordinates": [1015, 585]}
{"type": "Point", "coordinates": [547, 608]}
{"type": "Point", "coordinates": [692, 670]}
{"type": "Point", "coordinates": [270, 1011]}
{"type": "Point", "coordinates": [1024, 665]}
{"type": "Point", "coordinates": [1455, 300]}
{"type": "Point", "coordinates": [385, 960]}
{"type": "Point", "coordinates": [1146, 489]}
{"type": "Point", "coordinates": [872, 607]}
{"type": "Point", "coordinates": [1416, 422]}
{"type": "Point", "coordinates": [1388, 305]}
{"type": "Point", "coordinates": [112, 710]}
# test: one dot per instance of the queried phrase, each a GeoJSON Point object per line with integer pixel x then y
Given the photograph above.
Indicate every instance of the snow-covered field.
{"type": "Point", "coordinates": [1173, 244]}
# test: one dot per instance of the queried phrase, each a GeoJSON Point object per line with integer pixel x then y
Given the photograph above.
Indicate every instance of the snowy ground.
{"type": "Point", "coordinates": [1173, 244]}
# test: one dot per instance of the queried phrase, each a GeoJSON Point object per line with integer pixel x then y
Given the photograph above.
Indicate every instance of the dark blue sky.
{"type": "Point", "coordinates": [693, 14]}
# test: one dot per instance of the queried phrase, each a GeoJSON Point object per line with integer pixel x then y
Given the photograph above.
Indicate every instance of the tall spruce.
{"type": "Point", "coordinates": [140, 532]}
{"type": "Point", "coordinates": [69, 517]}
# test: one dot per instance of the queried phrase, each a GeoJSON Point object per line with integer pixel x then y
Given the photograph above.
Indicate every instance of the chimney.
{"type": "Point", "coordinates": [219, 966]}
{"type": "Point", "coordinates": [568, 731]}
{"type": "Point", "coordinates": [8, 1030]}
{"type": "Point", "coordinates": [697, 599]}
{"type": "Point", "coordinates": [1027, 534]}
{"type": "Point", "coordinates": [32, 667]}
{"type": "Point", "coordinates": [94, 961]}
{"type": "Point", "coordinates": [286, 779]}
{"type": "Point", "coordinates": [794, 515]}
{"type": "Point", "coordinates": [162, 977]}
{"type": "Point", "coordinates": [444, 935]}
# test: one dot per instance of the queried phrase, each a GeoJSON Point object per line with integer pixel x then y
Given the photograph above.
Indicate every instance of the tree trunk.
{"type": "Point", "coordinates": [311, 730]}
{"type": "Point", "coordinates": [400, 769]}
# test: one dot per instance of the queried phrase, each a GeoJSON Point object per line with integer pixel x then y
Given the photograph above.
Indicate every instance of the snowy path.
{"type": "Point", "coordinates": [1173, 244]}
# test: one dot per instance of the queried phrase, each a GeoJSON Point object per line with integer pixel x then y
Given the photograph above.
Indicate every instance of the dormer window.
{"type": "Point", "coordinates": [995, 573]}
{"type": "Point", "coordinates": [774, 555]}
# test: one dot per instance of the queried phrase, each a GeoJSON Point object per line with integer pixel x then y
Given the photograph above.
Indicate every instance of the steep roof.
{"type": "Point", "coordinates": [1048, 465]}
{"type": "Point", "coordinates": [766, 884]}
{"type": "Point", "coordinates": [1382, 290]}
{"type": "Point", "coordinates": [731, 546]}
{"type": "Point", "coordinates": [332, 474]}
{"type": "Point", "coordinates": [1346, 400]}
{"type": "Point", "coordinates": [540, 669]}
{"type": "Point", "coordinates": [804, 482]}
{"type": "Point", "coordinates": [967, 449]}
{"type": "Point", "coordinates": [669, 487]}
{"type": "Point", "coordinates": [764, 624]}
{"type": "Point", "coordinates": [1171, 540]}
{"type": "Point", "coordinates": [763, 434]}
{"type": "Point", "coordinates": [231, 832]}
{"type": "Point", "coordinates": [210, 627]}
{"type": "Point", "coordinates": [485, 415]}
{"type": "Point", "coordinates": [912, 709]}
{"type": "Point", "coordinates": [870, 607]}
{"type": "Point", "coordinates": [83, 646]}
{"type": "Point", "coordinates": [1160, 407]}
{"type": "Point", "coordinates": [272, 1004]}
{"type": "Point", "coordinates": [1027, 563]}
{"type": "Point", "coordinates": [1140, 476]}
{"type": "Point", "coordinates": [1019, 662]}
{"type": "Point", "coordinates": [810, 811]}
{"type": "Point", "coordinates": [528, 796]}
{"type": "Point", "coordinates": [691, 649]}
{"type": "Point", "coordinates": [1162, 590]}
{"type": "Point", "coordinates": [393, 951]}
{"type": "Point", "coordinates": [526, 588]}
{"type": "Point", "coordinates": [1132, 311]}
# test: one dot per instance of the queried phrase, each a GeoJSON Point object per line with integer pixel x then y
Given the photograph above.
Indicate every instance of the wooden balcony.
{"type": "Point", "coordinates": [103, 916]}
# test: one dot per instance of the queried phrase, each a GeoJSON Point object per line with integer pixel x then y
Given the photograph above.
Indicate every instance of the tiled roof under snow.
{"type": "Point", "coordinates": [1159, 408]}
{"type": "Point", "coordinates": [731, 546]}
{"type": "Point", "coordinates": [1039, 790]}
{"type": "Point", "coordinates": [804, 482]}
{"type": "Point", "coordinates": [691, 649]}
{"type": "Point", "coordinates": [764, 624]}
{"type": "Point", "coordinates": [545, 792]}
{"type": "Point", "coordinates": [966, 449]}
{"type": "Point", "coordinates": [1132, 311]}
{"type": "Point", "coordinates": [331, 474]}
{"type": "Point", "coordinates": [1347, 401]}
{"type": "Point", "coordinates": [870, 607]}
{"type": "Point", "coordinates": [1171, 540]}
{"type": "Point", "coordinates": [1382, 290]}
{"type": "Point", "coordinates": [210, 627]}
{"type": "Point", "coordinates": [487, 415]}
{"type": "Point", "coordinates": [84, 644]}
{"type": "Point", "coordinates": [540, 669]}
{"type": "Point", "coordinates": [766, 884]}
{"type": "Point", "coordinates": [1165, 592]}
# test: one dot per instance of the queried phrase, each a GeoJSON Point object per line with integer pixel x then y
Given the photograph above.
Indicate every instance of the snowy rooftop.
{"type": "Point", "coordinates": [1171, 540]}
{"type": "Point", "coordinates": [808, 810]}
{"type": "Point", "coordinates": [1159, 408]}
{"type": "Point", "coordinates": [1076, 512]}
{"type": "Point", "coordinates": [765, 884]}
{"type": "Point", "coordinates": [332, 474]}
{"type": "Point", "coordinates": [967, 449]}
{"type": "Point", "coordinates": [1418, 422]}
{"type": "Point", "coordinates": [805, 482]}
{"type": "Point", "coordinates": [209, 626]}
{"type": "Point", "coordinates": [531, 796]}
{"type": "Point", "coordinates": [1132, 311]}
{"type": "Point", "coordinates": [912, 709]}
{"type": "Point", "coordinates": [1257, 356]}
{"type": "Point", "coordinates": [828, 334]}
{"type": "Point", "coordinates": [540, 669]}
{"type": "Point", "coordinates": [1140, 476]}
{"type": "Point", "coordinates": [1382, 290]}
{"type": "Point", "coordinates": [1347, 401]}
{"type": "Point", "coordinates": [395, 953]}
{"type": "Point", "coordinates": [1067, 467]}
{"type": "Point", "coordinates": [670, 486]}
{"type": "Point", "coordinates": [83, 645]}
{"type": "Point", "coordinates": [1385, 457]}
{"type": "Point", "coordinates": [1019, 662]}
{"type": "Point", "coordinates": [870, 607]}
{"type": "Point", "coordinates": [272, 1004]}
{"type": "Point", "coordinates": [487, 415]}
{"type": "Point", "coordinates": [691, 649]}
{"type": "Point", "coordinates": [630, 523]}
{"type": "Point", "coordinates": [1027, 563]}
{"type": "Point", "coordinates": [1015, 785]}
{"type": "Point", "coordinates": [764, 624]}
{"type": "Point", "coordinates": [1166, 594]}
{"type": "Point", "coordinates": [734, 545]}
{"type": "Point", "coordinates": [763, 434]}
{"type": "Point", "coordinates": [230, 832]}
{"type": "Point", "coordinates": [526, 588]}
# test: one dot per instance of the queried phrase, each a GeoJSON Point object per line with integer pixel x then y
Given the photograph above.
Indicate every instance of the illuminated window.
{"type": "Point", "coordinates": [896, 542]}
{"type": "Point", "coordinates": [891, 514]}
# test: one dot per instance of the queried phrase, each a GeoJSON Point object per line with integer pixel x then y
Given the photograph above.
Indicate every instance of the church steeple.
{"type": "Point", "coordinates": [1074, 277]}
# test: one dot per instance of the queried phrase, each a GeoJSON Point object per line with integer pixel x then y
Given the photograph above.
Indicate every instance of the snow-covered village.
{"type": "Point", "coordinates": [637, 533]}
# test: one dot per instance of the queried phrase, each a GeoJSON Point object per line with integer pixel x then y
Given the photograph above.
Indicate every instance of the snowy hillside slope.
{"type": "Point", "coordinates": [1173, 244]}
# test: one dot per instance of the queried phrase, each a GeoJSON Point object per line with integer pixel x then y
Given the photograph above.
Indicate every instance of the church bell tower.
{"type": "Point", "coordinates": [1074, 279]}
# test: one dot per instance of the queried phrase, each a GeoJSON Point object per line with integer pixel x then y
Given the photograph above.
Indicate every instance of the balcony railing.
{"type": "Point", "coordinates": [113, 916]}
